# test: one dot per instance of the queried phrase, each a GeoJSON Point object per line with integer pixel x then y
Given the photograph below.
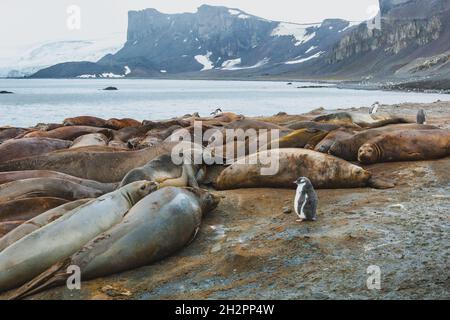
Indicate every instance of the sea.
{"type": "Point", "coordinates": [51, 101]}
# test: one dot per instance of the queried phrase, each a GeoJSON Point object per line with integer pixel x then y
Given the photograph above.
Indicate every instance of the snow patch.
{"type": "Point", "coordinates": [234, 12]}
{"type": "Point", "coordinates": [311, 49]}
{"type": "Point", "coordinates": [163, 71]}
{"type": "Point", "coordinates": [315, 56]}
{"type": "Point", "coordinates": [127, 70]}
{"type": "Point", "coordinates": [298, 31]}
{"type": "Point", "coordinates": [351, 24]}
{"type": "Point", "coordinates": [205, 61]}
{"type": "Point", "coordinates": [230, 64]}
{"type": "Point", "coordinates": [233, 67]}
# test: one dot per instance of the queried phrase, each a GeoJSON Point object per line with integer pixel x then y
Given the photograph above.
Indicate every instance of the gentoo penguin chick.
{"type": "Point", "coordinates": [374, 108]}
{"type": "Point", "coordinates": [305, 203]}
{"type": "Point", "coordinates": [421, 117]}
{"type": "Point", "coordinates": [217, 112]}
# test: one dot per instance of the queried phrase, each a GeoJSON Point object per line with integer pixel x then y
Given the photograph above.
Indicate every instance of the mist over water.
{"type": "Point", "coordinates": [47, 101]}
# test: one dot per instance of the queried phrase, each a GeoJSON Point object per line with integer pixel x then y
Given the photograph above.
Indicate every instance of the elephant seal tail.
{"type": "Point", "coordinates": [54, 276]}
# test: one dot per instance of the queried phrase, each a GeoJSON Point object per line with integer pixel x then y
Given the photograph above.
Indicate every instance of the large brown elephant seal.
{"type": "Point", "coordinates": [92, 139]}
{"type": "Point", "coordinates": [332, 137]}
{"type": "Point", "coordinates": [68, 132]}
{"type": "Point", "coordinates": [156, 227]}
{"type": "Point", "coordinates": [11, 133]}
{"type": "Point", "coordinates": [297, 125]}
{"type": "Point", "coordinates": [405, 145]}
{"type": "Point", "coordinates": [11, 176]}
{"type": "Point", "coordinates": [33, 254]}
{"type": "Point", "coordinates": [31, 225]}
{"type": "Point", "coordinates": [23, 148]}
{"type": "Point", "coordinates": [28, 208]}
{"type": "Point", "coordinates": [118, 124]}
{"type": "Point", "coordinates": [92, 164]}
{"type": "Point", "coordinates": [324, 171]}
{"type": "Point", "coordinates": [46, 187]}
{"type": "Point", "coordinates": [85, 121]}
{"type": "Point", "coordinates": [299, 139]}
{"type": "Point", "coordinates": [347, 149]}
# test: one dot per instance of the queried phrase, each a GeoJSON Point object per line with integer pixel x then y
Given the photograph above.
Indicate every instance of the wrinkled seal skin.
{"type": "Point", "coordinates": [7, 227]}
{"type": "Point", "coordinates": [38, 222]}
{"type": "Point", "coordinates": [300, 139]}
{"type": "Point", "coordinates": [85, 121]}
{"type": "Point", "coordinates": [347, 149]}
{"type": "Point", "coordinates": [324, 171]}
{"type": "Point", "coordinates": [93, 139]}
{"type": "Point", "coordinates": [46, 187]}
{"type": "Point", "coordinates": [101, 166]}
{"type": "Point", "coordinates": [413, 145]}
{"type": "Point", "coordinates": [362, 120]}
{"type": "Point", "coordinates": [156, 227]}
{"type": "Point", "coordinates": [6, 177]}
{"type": "Point", "coordinates": [23, 148]}
{"type": "Point", "coordinates": [33, 254]}
{"type": "Point", "coordinates": [28, 208]}
{"type": "Point", "coordinates": [297, 125]}
{"type": "Point", "coordinates": [67, 133]}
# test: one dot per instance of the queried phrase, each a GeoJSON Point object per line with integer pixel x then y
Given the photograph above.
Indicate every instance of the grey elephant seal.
{"type": "Point", "coordinates": [33, 254]}
{"type": "Point", "coordinates": [38, 222]}
{"type": "Point", "coordinates": [92, 139]}
{"type": "Point", "coordinates": [46, 187]}
{"type": "Point", "coordinates": [156, 227]}
{"type": "Point", "coordinates": [362, 120]}
{"type": "Point", "coordinates": [324, 171]}
{"type": "Point", "coordinates": [166, 173]}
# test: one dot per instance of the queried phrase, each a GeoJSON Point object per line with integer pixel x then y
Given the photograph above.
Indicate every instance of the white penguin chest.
{"type": "Point", "coordinates": [297, 206]}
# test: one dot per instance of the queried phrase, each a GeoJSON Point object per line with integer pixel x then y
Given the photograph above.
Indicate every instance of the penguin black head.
{"type": "Point", "coordinates": [302, 180]}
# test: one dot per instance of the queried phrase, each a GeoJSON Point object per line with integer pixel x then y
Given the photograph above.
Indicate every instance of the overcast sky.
{"type": "Point", "coordinates": [30, 21]}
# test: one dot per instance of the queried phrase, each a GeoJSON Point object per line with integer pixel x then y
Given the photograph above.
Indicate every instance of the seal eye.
{"type": "Point", "coordinates": [143, 187]}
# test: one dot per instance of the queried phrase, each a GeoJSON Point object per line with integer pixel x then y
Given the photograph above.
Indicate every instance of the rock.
{"type": "Point", "coordinates": [6, 92]}
{"type": "Point", "coordinates": [110, 89]}
{"type": "Point", "coordinates": [115, 292]}
{"type": "Point", "coordinates": [287, 210]}
{"type": "Point", "coordinates": [280, 114]}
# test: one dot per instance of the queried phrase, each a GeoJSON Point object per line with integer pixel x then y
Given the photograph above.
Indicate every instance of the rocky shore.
{"type": "Point", "coordinates": [251, 246]}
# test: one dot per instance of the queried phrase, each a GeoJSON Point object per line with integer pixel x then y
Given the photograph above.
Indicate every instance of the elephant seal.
{"type": "Point", "coordinates": [117, 124]}
{"type": "Point", "coordinates": [335, 135]}
{"type": "Point", "coordinates": [33, 254]}
{"type": "Point", "coordinates": [300, 139]}
{"type": "Point", "coordinates": [68, 132]}
{"type": "Point", "coordinates": [46, 187]}
{"type": "Point", "coordinates": [297, 125]}
{"type": "Point", "coordinates": [92, 139]}
{"type": "Point", "coordinates": [6, 177]}
{"type": "Point", "coordinates": [85, 121]}
{"type": "Point", "coordinates": [324, 171]}
{"type": "Point", "coordinates": [406, 146]}
{"type": "Point", "coordinates": [23, 148]}
{"type": "Point", "coordinates": [93, 164]}
{"type": "Point", "coordinates": [8, 226]}
{"type": "Point", "coordinates": [347, 149]}
{"type": "Point", "coordinates": [165, 172]}
{"type": "Point", "coordinates": [28, 208]}
{"type": "Point", "coordinates": [38, 222]}
{"type": "Point", "coordinates": [11, 133]}
{"type": "Point", "coordinates": [362, 120]}
{"type": "Point", "coordinates": [156, 227]}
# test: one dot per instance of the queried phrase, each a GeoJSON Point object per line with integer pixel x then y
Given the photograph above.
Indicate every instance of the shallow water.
{"type": "Point", "coordinates": [48, 101]}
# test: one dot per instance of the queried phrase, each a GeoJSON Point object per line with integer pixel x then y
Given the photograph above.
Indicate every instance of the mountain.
{"type": "Point", "coordinates": [24, 61]}
{"type": "Point", "coordinates": [212, 40]}
{"type": "Point", "coordinates": [407, 42]}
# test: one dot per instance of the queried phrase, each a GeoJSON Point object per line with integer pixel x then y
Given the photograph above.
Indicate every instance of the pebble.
{"type": "Point", "coordinates": [287, 210]}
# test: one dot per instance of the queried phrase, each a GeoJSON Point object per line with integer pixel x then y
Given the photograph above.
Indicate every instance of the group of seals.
{"type": "Point", "coordinates": [154, 228]}
{"type": "Point", "coordinates": [34, 253]}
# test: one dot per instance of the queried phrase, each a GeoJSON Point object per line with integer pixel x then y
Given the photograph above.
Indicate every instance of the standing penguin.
{"type": "Point", "coordinates": [306, 200]}
{"type": "Point", "coordinates": [374, 108]}
{"type": "Point", "coordinates": [421, 117]}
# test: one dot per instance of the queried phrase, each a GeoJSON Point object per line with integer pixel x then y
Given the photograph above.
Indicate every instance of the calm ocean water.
{"type": "Point", "coordinates": [48, 101]}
